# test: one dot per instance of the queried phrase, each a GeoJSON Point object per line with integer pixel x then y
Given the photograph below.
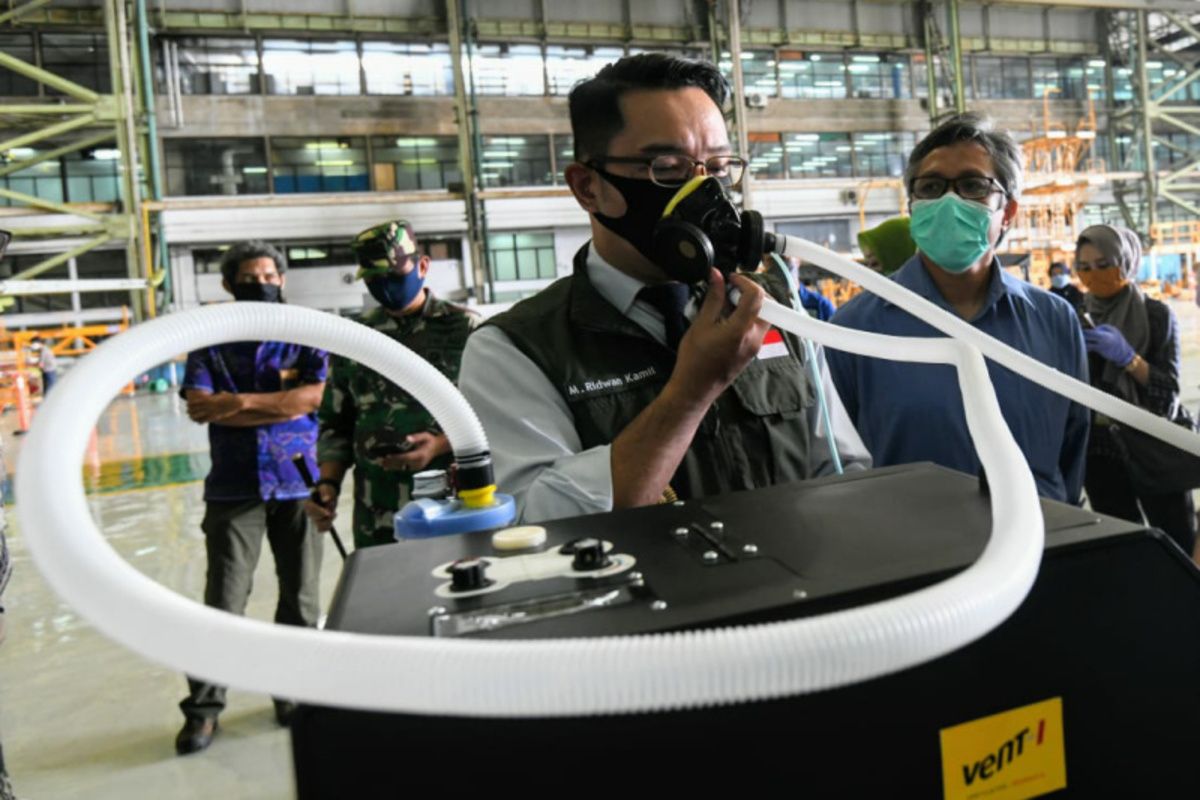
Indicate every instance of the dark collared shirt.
{"type": "Point", "coordinates": [913, 412]}
{"type": "Point", "coordinates": [256, 462]}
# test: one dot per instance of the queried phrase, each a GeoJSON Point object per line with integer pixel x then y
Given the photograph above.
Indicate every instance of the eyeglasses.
{"type": "Point", "coordinates": [1083, 266]}
{"type": "Point", "coordinates": [968, 187]}
{"type": "Point", "coordinates": [673, 170]}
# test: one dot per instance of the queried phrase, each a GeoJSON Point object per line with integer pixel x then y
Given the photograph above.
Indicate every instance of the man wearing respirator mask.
{"type": "Point", "coordinates": [963, 183]}
{"type": "Point", "coordinates": [618, 386]}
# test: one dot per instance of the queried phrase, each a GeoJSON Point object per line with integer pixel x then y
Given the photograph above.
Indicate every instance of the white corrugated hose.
{"type": "Point", "coordinates": [503, 678]}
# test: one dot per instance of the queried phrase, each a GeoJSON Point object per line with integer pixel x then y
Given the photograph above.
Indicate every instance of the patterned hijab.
{"type": "Point", "coordinates": [1126, 310]}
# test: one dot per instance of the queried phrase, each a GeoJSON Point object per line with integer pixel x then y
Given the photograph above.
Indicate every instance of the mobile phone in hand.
{"type": "Point", "coordinates": [384, 449]}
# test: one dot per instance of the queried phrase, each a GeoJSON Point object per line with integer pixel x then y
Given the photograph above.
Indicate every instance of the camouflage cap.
{"type": "Point", "coordinates": [384, 248]}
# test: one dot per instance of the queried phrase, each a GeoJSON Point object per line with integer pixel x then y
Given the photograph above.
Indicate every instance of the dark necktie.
{"type": "Point", "coordinates": [670, 300]}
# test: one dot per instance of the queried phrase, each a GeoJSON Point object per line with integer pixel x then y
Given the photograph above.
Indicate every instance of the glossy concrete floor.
{"type": "Point", "coordinates": [82, 717]}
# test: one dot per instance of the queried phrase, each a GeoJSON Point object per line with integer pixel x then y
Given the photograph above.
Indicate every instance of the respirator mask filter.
{"type": "Point", "coordinates": [701, 228]}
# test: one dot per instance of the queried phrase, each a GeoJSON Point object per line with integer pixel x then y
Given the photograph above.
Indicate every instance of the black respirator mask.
{"type": "Point", "coordinates": [688, 230]}
{"type": "Point", "coordinates": [701, 228]}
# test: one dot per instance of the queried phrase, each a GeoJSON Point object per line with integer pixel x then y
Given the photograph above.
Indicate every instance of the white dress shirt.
{"type": "Point", "coordinates": [536, 450]}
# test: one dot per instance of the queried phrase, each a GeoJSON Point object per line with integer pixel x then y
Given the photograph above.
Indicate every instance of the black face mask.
{"type": "Point", "coordinates": [258, 292]}
{"type": "Point", "coordinates": [645, 202]}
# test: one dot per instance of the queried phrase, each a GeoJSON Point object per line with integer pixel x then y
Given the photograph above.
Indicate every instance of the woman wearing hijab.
{"type": "Point", "coordinates": [1134, 355]}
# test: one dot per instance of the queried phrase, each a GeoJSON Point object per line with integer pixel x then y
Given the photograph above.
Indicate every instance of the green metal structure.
{"type": "Point", "coordinates": [1143, 118]}
{"type": "Point", "coordinates": [88, 119]}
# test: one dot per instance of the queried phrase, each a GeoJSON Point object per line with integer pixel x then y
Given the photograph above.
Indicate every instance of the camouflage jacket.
{"type": "Point", "coordinates": [361, 410]}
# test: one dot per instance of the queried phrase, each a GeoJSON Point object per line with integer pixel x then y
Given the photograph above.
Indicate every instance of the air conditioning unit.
{"type": "Point", "coordinates": [756, 100]}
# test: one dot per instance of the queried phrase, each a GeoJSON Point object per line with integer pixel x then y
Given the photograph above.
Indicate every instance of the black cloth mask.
{"type": "Point", "coordinates": [645, 202]}
{"type": "Point", "coordinates": [258, 292]}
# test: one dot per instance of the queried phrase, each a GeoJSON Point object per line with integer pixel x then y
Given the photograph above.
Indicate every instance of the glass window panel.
{"type": "Point", "coordinates": [758, 71]}
{"type": "Point", "coordinates": [527, 241]}
{"type": "Point", "coordinates": [421, 162]}
{"type": "Point", "coordinates": [412, 69]}
{"type": "Point", "coordinates": [546, 266]}
{"type": "Point", "coordinates": [79, 57]}
{"type": "Point", "coordinates": [311, 67]}
{"type": "Point", "coordinates": [998, 78]}
{"type": "Point", "coordinates": [215, 166]}
{"type": "Point", "coordinates": [942, 74]}
{"type": "Point", "coordinates": [522, 256]}
{"type": "Point", "coordinates": [211, 65]}
{"type": "Point", "coordinates": [882, 154]}
{"type": "Point", "coordinates": [93, 175]}
{"type": "Point", "coordinates": [515, 161]}
{"type": "Point", "coordinates": [42, 180]}
{"type": "Point", "coordinates": [818, 155]}
{"type": "Point", "coordinates": [1093, 76]}
{"type": "Point", "coordinates": [564, 154]}
{"type": "Point", "coordinates": [766, 156]}
{"type": "Point", "coordinates": [812, 75]}
{"type": "Point", "coordinates": [17, 45]}
{"type": "Point", "coordinates": [882, 76]}
{"type": "Point", "coordinates": [504, 264]}
{"type": "Point", "coordinates": [566, 66]}
{"type": "Point", "coordinates": [508, 69]}
{"type": "Point", "coordinates": [319, 165]}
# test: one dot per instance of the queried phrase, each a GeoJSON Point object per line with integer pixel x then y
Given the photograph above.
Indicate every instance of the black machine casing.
{"type": "Point", "coordinates": [1112, 626]}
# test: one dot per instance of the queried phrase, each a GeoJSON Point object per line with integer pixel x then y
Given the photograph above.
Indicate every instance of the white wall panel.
{"type": "Point", "coordinates": [662, 12]}
{"type": "Point", "coordinates": [398, 8]}
{"type": "Point", "coordinates": [1074, 25]}
{"type": "Point", "coordinates": [885, 18]}
{"type": "Point", "coordinates": [538, 213]}
{"type": "Point", "coordinates": [763, 14]}
{"type": "Point", "coordinates": [584, 11]}
{"type": "Point", "coordinates": [1016, 23]}
{"type": "Point", "coordinates": [567, 242]}
{"type": "Point", "coordinates": [195, 226]}
{"type": "Point", "coordinates": [502, 9]}
{"type": "Point", "coordinates": [819, 15]}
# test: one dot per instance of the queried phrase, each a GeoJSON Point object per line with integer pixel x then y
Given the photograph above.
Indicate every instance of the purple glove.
{"type": "Point", "coordinates": [1107, 342]}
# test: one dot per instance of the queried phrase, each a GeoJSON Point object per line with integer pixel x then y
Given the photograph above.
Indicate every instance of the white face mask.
{"type": "Point", "coordinates": [1059, 281]}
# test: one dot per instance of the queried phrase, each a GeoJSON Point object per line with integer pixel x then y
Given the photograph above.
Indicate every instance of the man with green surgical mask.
{"type": "Point", "coordinates": [964, 183]}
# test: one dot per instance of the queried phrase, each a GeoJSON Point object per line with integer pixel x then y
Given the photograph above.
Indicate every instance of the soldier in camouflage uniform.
{"type": "Point", "coordinates": [367, 421]}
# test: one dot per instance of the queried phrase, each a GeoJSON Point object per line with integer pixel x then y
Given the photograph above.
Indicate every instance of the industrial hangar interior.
{"type": "Point", "coordinates": [665, 252]}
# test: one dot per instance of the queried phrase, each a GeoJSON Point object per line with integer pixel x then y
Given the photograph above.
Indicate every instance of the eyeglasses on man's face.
{"type": "Point", "coordinates": [969, 187]}
{"type": "Point", "coordinates": [674, 169]}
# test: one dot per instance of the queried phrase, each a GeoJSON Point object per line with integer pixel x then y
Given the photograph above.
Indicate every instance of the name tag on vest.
{"type": "Point", "coordinates": [610, 383]}
{"type": "Point", "coordinates": [773, 345]}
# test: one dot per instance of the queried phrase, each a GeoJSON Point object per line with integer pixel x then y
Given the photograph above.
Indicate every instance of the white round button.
{"type": "Point", "coordinates": [519, 538]}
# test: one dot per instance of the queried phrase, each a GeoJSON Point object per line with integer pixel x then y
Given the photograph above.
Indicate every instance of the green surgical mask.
{"type": "Point", "coordinates": [952, 231]}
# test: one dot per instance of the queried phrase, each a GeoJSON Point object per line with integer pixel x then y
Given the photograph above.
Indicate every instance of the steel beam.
{"type": "Point", "coordinates": [47, 155]}
{"type": "Point", "coordinates": [739, 96]}
{"type": "Point", "coordinates": [59, 109]}
{"type": "Point", "coordinates": [50, 263]}
{"type": "Point", "coordinates": [467, 129]}
{"type": "Point", "coordinates": [960, 101]}
{"type": "Point", "coordinates": [13, 288]}
{"type": "Point", "coordinates": [69, 88]}
{"type": "Point", "coordinates": [50, 131]}
{"type": "Point", "coordinates": [48, 205]}
{"type": "Point", "coordinates": [13, 13]}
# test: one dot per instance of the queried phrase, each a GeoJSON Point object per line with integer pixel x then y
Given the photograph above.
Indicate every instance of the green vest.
{"type": "Point", "coordinates": [608, 370]}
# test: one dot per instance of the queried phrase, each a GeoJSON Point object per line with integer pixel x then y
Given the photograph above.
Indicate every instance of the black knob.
{"type": "Point", "coordinates": [589, 555]}
{"type": "Point", "coordinates": [468, 574]}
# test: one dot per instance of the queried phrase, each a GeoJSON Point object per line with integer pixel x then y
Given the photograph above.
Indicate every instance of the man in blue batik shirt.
{"type": "Point", "coordinates": [259, 400]}
{"type": "Point", "coordinates": [963, 183]}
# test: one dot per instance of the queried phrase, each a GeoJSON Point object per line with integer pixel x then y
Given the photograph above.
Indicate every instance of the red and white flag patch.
{"type": "Point", "coordinates": [773, 345]}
